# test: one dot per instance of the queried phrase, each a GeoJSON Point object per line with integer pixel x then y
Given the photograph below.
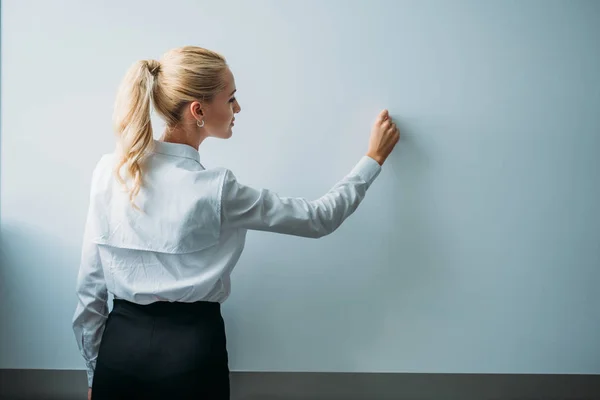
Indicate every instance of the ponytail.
{"type": "Point", "coordinates": [132, 122]}
{"type": "Point", "coordinates": [183, 75]}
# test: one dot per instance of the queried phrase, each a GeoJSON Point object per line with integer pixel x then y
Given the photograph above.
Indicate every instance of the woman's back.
{"type": "Point", "coordinates": [173, 248]}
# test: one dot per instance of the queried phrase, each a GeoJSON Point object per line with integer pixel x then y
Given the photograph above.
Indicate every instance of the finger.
{"type": "Point", "coordinates": [383, 115]}
{"type": "Point", "coordinates": [386, 124]}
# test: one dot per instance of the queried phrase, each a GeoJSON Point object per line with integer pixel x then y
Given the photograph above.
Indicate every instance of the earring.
{"type": "Point", "coordinates": [198, 123]}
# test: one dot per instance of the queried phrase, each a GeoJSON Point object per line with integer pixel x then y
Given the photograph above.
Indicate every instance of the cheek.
{"type": "Point", "coordinates": [226, 115]}
{"type": "Point", "coordinates": [220, 118]}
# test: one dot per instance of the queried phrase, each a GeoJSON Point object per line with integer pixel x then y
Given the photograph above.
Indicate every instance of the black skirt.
{"type": "Point", "coordinates": [162, 351]}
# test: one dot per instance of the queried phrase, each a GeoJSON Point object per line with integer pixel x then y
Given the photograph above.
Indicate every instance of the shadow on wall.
{"type": "Point", "coordinates": [3, 288]}
{"type": "Point", "coordinates": [37, 274]}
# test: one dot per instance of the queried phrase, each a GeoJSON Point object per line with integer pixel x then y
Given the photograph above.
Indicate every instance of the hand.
{"type": "Point", "coordinates": [384, 136]}
{"type": "Point", "coordinates": [90, 394]}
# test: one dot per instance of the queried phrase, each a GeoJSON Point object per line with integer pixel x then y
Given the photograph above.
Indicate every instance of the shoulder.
{"type": "Point", "coordinates": [223, 178]}
{"type": "Point", "coordinates": [219, 184]}
{"type": "Point", "coordinates": [103, 167]}
{"type": "Point", "coordinates": [220, 175]}
{"type": "Point", "coordinates": [105, 162]}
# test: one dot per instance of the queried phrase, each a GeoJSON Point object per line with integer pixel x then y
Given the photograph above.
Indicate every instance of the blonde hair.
{"type": "Point", "coordinates": [183, 75]}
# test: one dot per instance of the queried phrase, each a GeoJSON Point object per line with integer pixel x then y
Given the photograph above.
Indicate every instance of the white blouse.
{"type": "Point", "coordinates": [189, 235]}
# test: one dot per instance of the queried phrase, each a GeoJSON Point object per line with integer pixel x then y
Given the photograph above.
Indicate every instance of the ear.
{"type": "Point", "coordinates": [197, 110]}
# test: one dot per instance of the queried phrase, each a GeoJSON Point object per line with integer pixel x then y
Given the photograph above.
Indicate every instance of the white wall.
{"type": "Point", "coordinates": [477, 250]}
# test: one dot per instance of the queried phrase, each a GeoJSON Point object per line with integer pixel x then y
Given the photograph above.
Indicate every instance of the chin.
{"type": "Point", "coordinates": [223, 135]}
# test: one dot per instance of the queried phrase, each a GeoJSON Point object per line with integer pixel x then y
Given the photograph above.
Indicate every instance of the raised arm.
{"type": "Point", "coordinates": [261, 209]}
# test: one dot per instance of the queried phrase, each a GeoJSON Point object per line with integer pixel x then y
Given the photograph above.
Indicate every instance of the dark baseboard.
{"type": "Point", "coordinates": [21, 384]}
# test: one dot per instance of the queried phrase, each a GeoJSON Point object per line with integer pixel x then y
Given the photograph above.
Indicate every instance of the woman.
{"type": "Point", "coordinates": [163, 232]}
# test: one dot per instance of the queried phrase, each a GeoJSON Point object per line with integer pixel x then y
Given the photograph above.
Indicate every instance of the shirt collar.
{"type": "Point", "coordinates": [176, 150]}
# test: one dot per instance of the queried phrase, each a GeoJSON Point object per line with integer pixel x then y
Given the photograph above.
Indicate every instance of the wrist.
{"type": "Point", "coordinates": [376, 157]}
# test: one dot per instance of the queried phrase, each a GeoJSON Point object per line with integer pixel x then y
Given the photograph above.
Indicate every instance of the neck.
{"type": "Point", "coordinates": [182, 136]}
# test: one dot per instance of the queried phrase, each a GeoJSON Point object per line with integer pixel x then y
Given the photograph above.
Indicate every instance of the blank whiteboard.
{"type": "Point", "coordinates": [476, 250]}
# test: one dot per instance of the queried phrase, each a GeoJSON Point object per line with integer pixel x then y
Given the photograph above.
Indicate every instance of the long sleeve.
{"type": "Point", "coordinates": [248, 208]}
{"type": "Point", "coordinates": [92, 307]}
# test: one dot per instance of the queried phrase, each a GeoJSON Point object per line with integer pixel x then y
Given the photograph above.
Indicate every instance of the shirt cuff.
{"type": "Point", "coordinates": [368, 169]}
{"type": "Point", "coordinates": [90, 373]}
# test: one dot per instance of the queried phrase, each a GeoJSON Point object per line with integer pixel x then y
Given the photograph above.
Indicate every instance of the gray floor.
{"type": "Point", "coordinates": [67, 385]}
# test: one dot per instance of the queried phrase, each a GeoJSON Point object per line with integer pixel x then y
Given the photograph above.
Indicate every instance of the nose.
{"type": "Point", "coordinates": [237, 107]}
